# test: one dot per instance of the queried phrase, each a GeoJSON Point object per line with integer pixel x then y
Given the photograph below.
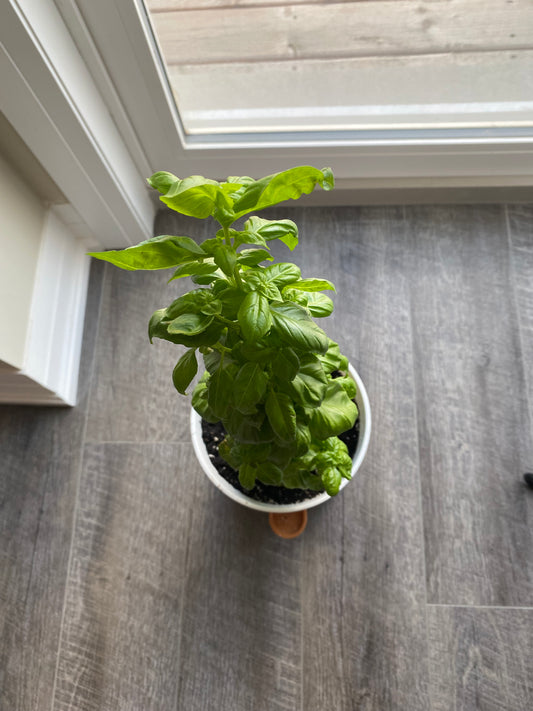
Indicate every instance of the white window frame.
{"type": "Point", "coordinates": [455, 159]}
{"type": "Point", "coordinates": [87, 76]}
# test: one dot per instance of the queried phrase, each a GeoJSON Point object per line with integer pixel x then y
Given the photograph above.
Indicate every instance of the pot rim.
{"type": "Point", "coordinates": [365, 425]}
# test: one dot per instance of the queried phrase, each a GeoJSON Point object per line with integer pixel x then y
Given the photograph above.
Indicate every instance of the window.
{"type": "Point", "coordinates": [348, 70]}
{"type": "Point", "coordinates": [90, 71]}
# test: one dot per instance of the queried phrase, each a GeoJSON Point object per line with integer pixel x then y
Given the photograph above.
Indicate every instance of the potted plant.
{"type": "Point", "coordinates": [276, 393]}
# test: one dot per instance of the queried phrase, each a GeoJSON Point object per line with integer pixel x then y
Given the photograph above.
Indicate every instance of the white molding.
{"type": "Point", "coordinates": [117, 44]}
{"type": "Point", "coordinates": [49, 96]}
{"type": "Point", "coordinates": [49, 375]}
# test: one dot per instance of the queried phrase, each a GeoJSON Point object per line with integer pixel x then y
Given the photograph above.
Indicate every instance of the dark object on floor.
{"type": "Point", "coordinates": [528, 478]}
{"type": "Point", "coordinates": [214, 434]}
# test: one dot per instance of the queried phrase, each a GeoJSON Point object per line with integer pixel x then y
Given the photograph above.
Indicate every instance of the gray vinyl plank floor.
{"type": "Point", "coordinates": [127, 582]}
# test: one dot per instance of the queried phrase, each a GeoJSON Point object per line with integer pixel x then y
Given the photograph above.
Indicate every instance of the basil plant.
{"type": "Point", "coordinates": [268, 365]}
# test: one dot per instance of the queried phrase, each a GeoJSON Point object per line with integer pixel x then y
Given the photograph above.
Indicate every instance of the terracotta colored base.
{"type": "Point", "coordinates": [288, 525]}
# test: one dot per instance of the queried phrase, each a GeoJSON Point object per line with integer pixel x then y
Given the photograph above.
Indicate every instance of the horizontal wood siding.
{"type": "Point", "coordinates": [177, 5]}
{"type": "Point", "coordinates": [311, 31]}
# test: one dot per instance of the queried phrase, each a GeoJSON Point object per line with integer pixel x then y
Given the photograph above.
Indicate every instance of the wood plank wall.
{"type": "Point", "coordinates": [207, 31]}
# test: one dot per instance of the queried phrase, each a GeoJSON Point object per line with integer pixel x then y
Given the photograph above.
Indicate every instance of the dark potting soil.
{"type": "Point", "coordinates": [214, 434]}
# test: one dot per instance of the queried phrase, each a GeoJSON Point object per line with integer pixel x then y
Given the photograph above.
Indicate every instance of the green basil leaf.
{"type": "Point", "coordinates": [292, 479]}
{"type": "Point", "coordinates": [206, 279]}
{"type": "Point", "coordinates": [219, 285]}
{"type": "Point", "coordinates": [349, 386]}
{"type": "Point", "coordinates": [285, 364]}
{"type": "Point", "coordinates": [252, 453]}
{"type": "Point", "coordinates": [193, 301]}
{"type": "Point", "coordinates": [255, 352]}
{"type": "Point", "coordinates": [226, 258]}
{"type": "Point", "coordinates": [300, 297]}
{"type": "Point", "coordinates": [323, 461]}
{"type": "Point", "coordinates": [271, 291]}
{"type": "Point", "coordinates": [208, 245]}
{"type": "Point", "coordinates": [284, 230]}
{"type": "Point", "coordinates": [223, 211]}
{"type": "Point", "coordinates": [331, 479]}
{"type": "Point", "coordinates": [185, 370]}
{"type": "Point", "coordinates": [154, 325]}
{"type": "Point", "coordinates": [200, 404]}
{"type": "Point", "coordinates": [229, 454]}
{"type": "Point", "coordinates": [247, 237]}
{"type": "Point", "coordinates": [269, 474]}
{"type": "Point", "coordinates": [247, 476]}
{"type": "Point", "coordinates": [157, 253]}
{"type": "Point", "coordinates": [249, 387]}
{"type": "Point", "coordinates": [254, 279]}
{"type": "Point", "coordinates": [333, 446]}
{"type": "Point", "coordinates": [212, 308]}
{"type": "Point", "coordinates": [234, 181]}
{"type": "Point", "coordinates": [344, 465]}
{"type": "Point", "coordinates": [336, 414]}
{"type": "Point", "coordinates": [290, 240]}
{"type": "Point", "coordinates": [310, 384]}
{"type": "Point", "coordinates": [231, 299]}
{"type": "Point", "coordinates": [189, 324]}
{"type": "Point", "coordinates": [282, 273]}
{"type": "Point", "coordinates": [193, 268]}
{"type": "Point", "coordinates": [212, 360]}
{"type": "Point", "coordinates": [248, 429]}
{"type": "Point", "coordinates": [311, 481]}
{"type": "Point", "coordinates": [287, 185]}
{"type": "Point", "coordinates": [281, 415]}
{"type": "Point", "coordinates": [157, 328]}
{"type": "Point", "coordinates": [332, 358]}
{"type": "Point", "coordinates": [303, 438]}
{"type": "Point", "coordinates": [257, 280]}
{"type": "Point", "coordinates": [252, 257]}
{"type": "Point", "coordinates": [254, 316]}
{"type": "Point", "coordinates": [162, 181]}
{"type": "Point", "coordinates": [313, 285]}
{"type": "Point", "coordinates": [219, 391]}
{"type": "Point", "coordinates": [318, 304]}
{"type": "Point", "coordinates": [205, 338]}
{"type": "Point", "coordinates": [296, 328]}
{"type": "Point", "coordinates": [195, 196]}
{"type": "Point", "coordinates": [281, 456]}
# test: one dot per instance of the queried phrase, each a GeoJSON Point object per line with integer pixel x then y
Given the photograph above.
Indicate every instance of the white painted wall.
{"type": "Point", "coordinates": [22, 216]}
{"type": "Point", "coordinates": [43, 285]}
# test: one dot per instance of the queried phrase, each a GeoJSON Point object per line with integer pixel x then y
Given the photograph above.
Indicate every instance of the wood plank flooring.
{"type": "Point", "coordinates": [127, 582]}
{"type": "Point", "coordinates": [40, 457]}
{"type": "Point", "coordinates": [478, 530]}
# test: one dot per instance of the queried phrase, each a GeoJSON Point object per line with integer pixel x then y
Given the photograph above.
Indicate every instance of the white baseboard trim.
{"type": "Point", "coordinates": [49, 375]}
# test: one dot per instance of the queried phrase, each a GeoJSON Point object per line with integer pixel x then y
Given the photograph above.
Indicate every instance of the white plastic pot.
{"type": "Point", "coordinates": [363, 406]}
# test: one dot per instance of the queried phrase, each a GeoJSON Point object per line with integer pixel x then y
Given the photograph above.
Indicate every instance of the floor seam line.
{"type": "Point", "coordinates": [77, 491]}
{"type": "Point", "coordinates": [419, 468]}
{"type": "Point", "coordinates": [517, 310]}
